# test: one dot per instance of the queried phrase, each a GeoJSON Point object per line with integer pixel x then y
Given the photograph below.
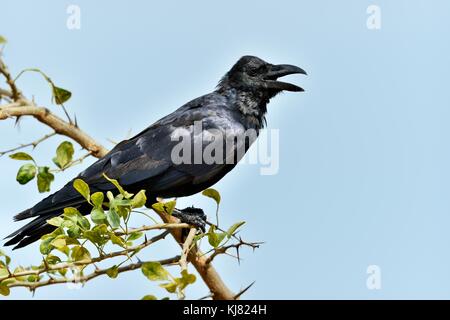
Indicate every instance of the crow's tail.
{"type": "Point", "coordinates": [50, 207]}
{"type": "Point", "coordinates": [29, 233]}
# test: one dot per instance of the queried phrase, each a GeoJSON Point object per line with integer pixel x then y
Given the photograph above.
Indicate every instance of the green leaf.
{"type": "Point", "coordinates": [139, 199]}
{"type": "Point", "coordinates": [94, 237]}
{"type": "Point", "coordinates": [117, 240]}
{"type": "Point", "coordinates": [97, 199]}
{"type": "Point", "coordinates": [166, 207]}
{"type": "Point", "coordinates": [169, 206]}
{"type": "Point", "coordinates": [58, 243]}
{"type": "Point", "coordinates": [113, 218]}
{"type": "Point", "coordinates": [21, 156]}
{"type": "Point", "coordinates": [83, 188]}
{"type": "Point", "coordinates": [45, 247]}
{"type": "Point", "coordinates": [64, 250]}
{"type": "Point", "coordinates": [83, 222]}
{"type": "Point", "coordinates": [134, 236]}
{"type": "Point", "coordinates": [73, 221]}
{"type": "Point", "coordinates": [33, 278]}
{"type": "Point", "coordinates": [3, 271]}
{"type": "Point", "coordinates": [154, 271]}
{"type": "Point", "coordinates": [171, 287]}
{"type": "Point", "coordinates": [98, 234]}
{"type": "Point", "coordinates": [72, 214]}
{"type": "Point", "coordinates": [56, 221]}
{"type": "Point", "coordinates": [70, 240]}
{"type": "Point", "coordinates": [26, 173]}
{"type": "Point", "coordinates": [233, 228]}
{"type": "Point", "coordinates": [215, 238]}
{"type": "Point", "coordinates": [118, 186]}
{"type": "Point", "coordinates": [44, 179]}
{"type": "Point", "coordinates": [4, 290]}
{"type": "Point", "coordinates": [186, 279]}
{"type": "Point", "coordinates": [110, 196]}
{"type": "Point", "coordinates": [212, 193]}
{"type": "Point", "coordinates": [64, 154]}
{"type": "Point", "coordinates": [149, 297]}
{"type": "Point", "coordinates": [158, 206]}
{"type": "Point", "coordinates": [7, 258]}
{"type": "Point", "coordinates": [80, 253]}
{"type": "Point", "coordinates": [74, 232]}
{"type": "Point", "coordinates": [98, 216]}
{"type": "Point", "coordinates": [113, 272]}
{"type": "Point", "coordinates": [61, 95]}
{"type": "Point", "coordinates": [3, 40]}
{"type": "Point", "coordinates": [51, 259]}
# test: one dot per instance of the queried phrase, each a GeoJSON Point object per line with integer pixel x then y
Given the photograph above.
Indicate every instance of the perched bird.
{"type": "Point", "coordinates": [147, 160]}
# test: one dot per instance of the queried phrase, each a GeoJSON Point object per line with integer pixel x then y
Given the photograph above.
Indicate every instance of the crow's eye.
{"type": "Point", "coordinates": [255, 71]}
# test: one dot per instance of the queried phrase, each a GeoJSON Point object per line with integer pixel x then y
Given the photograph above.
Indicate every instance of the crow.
{"type": "Point", "coordinates": [147, 161]}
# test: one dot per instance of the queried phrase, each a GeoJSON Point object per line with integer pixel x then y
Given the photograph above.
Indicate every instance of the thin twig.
{"type": "Point", "coordinates": [5, 93]}
{"type": "Point", "coordinates": [72, 163]}
{"type": "Point", "coordinates": [60, 126]}
{"type": "Point", "coordinates": [224, 249]}
{"type": "Point", "coordinates": [186, 248]}
{"type": "Point", "coordinates": [155, 227]}
{"type": "Point", "coordinates": [31, 144]}
{"type": "Point", "coordinates": [15, 93]}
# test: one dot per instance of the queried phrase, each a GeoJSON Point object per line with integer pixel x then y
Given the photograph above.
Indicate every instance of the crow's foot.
{"type": "Point", "coordinates": [193, 216]}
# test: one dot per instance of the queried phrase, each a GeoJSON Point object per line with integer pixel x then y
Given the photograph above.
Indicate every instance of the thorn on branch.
{"type": "Point", "coordinates": [237, 246]}
{"type": "Point", "coordinates": [243, 291]}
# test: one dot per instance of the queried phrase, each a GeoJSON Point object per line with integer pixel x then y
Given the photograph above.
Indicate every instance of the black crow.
{"type": "Point", "coordinates": [147, 160]}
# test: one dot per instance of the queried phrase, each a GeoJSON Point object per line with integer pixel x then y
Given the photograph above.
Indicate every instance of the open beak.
{"type": "Point", "coordinates": [281, 70]}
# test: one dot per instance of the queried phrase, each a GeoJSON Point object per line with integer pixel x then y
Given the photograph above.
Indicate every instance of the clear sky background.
{"type": "Point", "coordinates": [364, 173]}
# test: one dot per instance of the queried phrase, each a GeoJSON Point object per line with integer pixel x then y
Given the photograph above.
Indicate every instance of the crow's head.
{"type": "Point", "coordinates": [254, 74]}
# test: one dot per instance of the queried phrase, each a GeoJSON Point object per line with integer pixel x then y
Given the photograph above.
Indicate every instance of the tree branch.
{"type": "Point", "coordinates": [31, 144]}
{"type": "Point", "coordinates": [210, 276]}
{"type": "Point", "coordinates": [15, 93]}
{"type": "Point", "coordinates": [94, 274]}
{"type": "Point", "coordinates": [60, 126]}
{"type": "Point", "coordinates": [85, 262]}
{"type": "Point", "coordinates": [186, 248]}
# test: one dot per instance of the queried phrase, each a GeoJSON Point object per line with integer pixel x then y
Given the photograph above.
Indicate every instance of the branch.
{"type": "Point", "coordinates": [210, 276]}
{"type": "Point", "coordinates": [5, 93]}
{"type": "Point", "coordinates": [237, 246]}
{"type": "Point", "coordinates": [31, 144]}
{"type": "Point", "coordinates": [85, 262]}
{"type": "Point", "coordinates": [174, 225]}
{"type": "Point", "coordinates": [186, 248]}
{"type": "Point", "coordinates": [94, 274]}
{"type": "Point", "coordinates": [15, 93]}
{"type": "Point", "coordinates": [60, 126]}
{"type": "Point", "coordinates": [72, 163]}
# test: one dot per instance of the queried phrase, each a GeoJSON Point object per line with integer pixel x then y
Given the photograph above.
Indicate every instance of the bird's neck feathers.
{"type": "Point", "coordinates": [251, 104]}
{"type": "Point", "coordinates": [253, 108]}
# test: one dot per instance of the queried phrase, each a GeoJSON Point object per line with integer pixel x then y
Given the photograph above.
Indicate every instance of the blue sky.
{"type": "Point", "coordinates": [364, 176]}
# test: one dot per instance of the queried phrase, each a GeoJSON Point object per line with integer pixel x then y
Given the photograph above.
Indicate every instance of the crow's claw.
{"type": "Point", "coordinates": [193, 216]}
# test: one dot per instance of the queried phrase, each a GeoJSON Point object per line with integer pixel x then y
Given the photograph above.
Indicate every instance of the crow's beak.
{"type": "Point", "coordinates": [281, 70]}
